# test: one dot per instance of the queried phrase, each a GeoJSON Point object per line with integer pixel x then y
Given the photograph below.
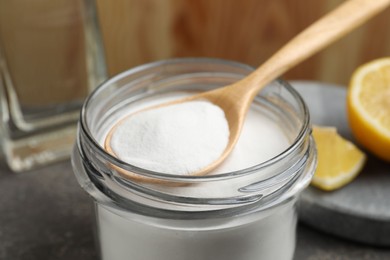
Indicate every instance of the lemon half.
{"type": "Point", "coordinates": [369, 106]}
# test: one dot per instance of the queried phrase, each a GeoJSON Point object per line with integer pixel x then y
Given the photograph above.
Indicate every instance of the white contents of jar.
{"type": "Point", "coordinates": [266, 235]}
{"type": "Point", "coordinates": [125, 235]}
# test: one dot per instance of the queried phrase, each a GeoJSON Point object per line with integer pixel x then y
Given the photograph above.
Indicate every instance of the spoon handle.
{"type": "Point", "coordinates": [328, 29]}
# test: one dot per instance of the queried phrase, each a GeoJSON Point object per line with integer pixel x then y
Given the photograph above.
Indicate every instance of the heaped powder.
{"type": "Point", "coordinates": [177, 139]}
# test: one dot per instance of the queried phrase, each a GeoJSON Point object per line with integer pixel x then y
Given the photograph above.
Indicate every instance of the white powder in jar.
{"type": "Point", "coordinates": [177, 139]}
{"type": "Point", "coordinates": [266, 234]}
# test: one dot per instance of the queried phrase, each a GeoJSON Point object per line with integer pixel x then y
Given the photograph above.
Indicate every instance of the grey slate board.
{"type": "Point", "coordinates": [359, 211]}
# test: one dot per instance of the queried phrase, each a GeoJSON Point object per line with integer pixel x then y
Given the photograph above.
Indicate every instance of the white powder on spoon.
{"type": "Point", "coordinates": [177, 139]}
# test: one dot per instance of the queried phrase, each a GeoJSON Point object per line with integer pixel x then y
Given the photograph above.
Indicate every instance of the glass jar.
{"type": "Point", "coordinates": [255, 216]}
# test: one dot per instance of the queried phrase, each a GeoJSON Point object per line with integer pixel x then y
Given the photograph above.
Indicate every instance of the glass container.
{"type": "Point", "coordinates": [255, 215]}
{"type": "Point", "coordinates": [51, 57]}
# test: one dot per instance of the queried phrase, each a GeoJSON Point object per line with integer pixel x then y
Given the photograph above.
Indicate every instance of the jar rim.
{"type": "Point", "coordinates": [295, 144]}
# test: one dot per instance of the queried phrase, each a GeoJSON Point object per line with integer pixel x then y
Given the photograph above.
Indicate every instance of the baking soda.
{"type": "Point", "coordinates": [175, 139]}
{"type": "Point", "coordinates": [265, 234]}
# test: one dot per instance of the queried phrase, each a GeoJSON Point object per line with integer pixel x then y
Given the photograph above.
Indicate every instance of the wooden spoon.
{"type": "Point", "coordinates": [235, 99]}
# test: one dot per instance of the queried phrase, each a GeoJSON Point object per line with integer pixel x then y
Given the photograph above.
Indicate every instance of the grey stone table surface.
{"type": "Point", "coordinates": [45, 215]}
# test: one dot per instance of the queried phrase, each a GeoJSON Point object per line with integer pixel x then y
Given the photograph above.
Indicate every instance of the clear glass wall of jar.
{"type": "Point", "coordinates": [255, 218]}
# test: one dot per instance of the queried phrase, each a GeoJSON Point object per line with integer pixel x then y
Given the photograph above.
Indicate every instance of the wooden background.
{"type": "Point", "coordinates": [249, 31]}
